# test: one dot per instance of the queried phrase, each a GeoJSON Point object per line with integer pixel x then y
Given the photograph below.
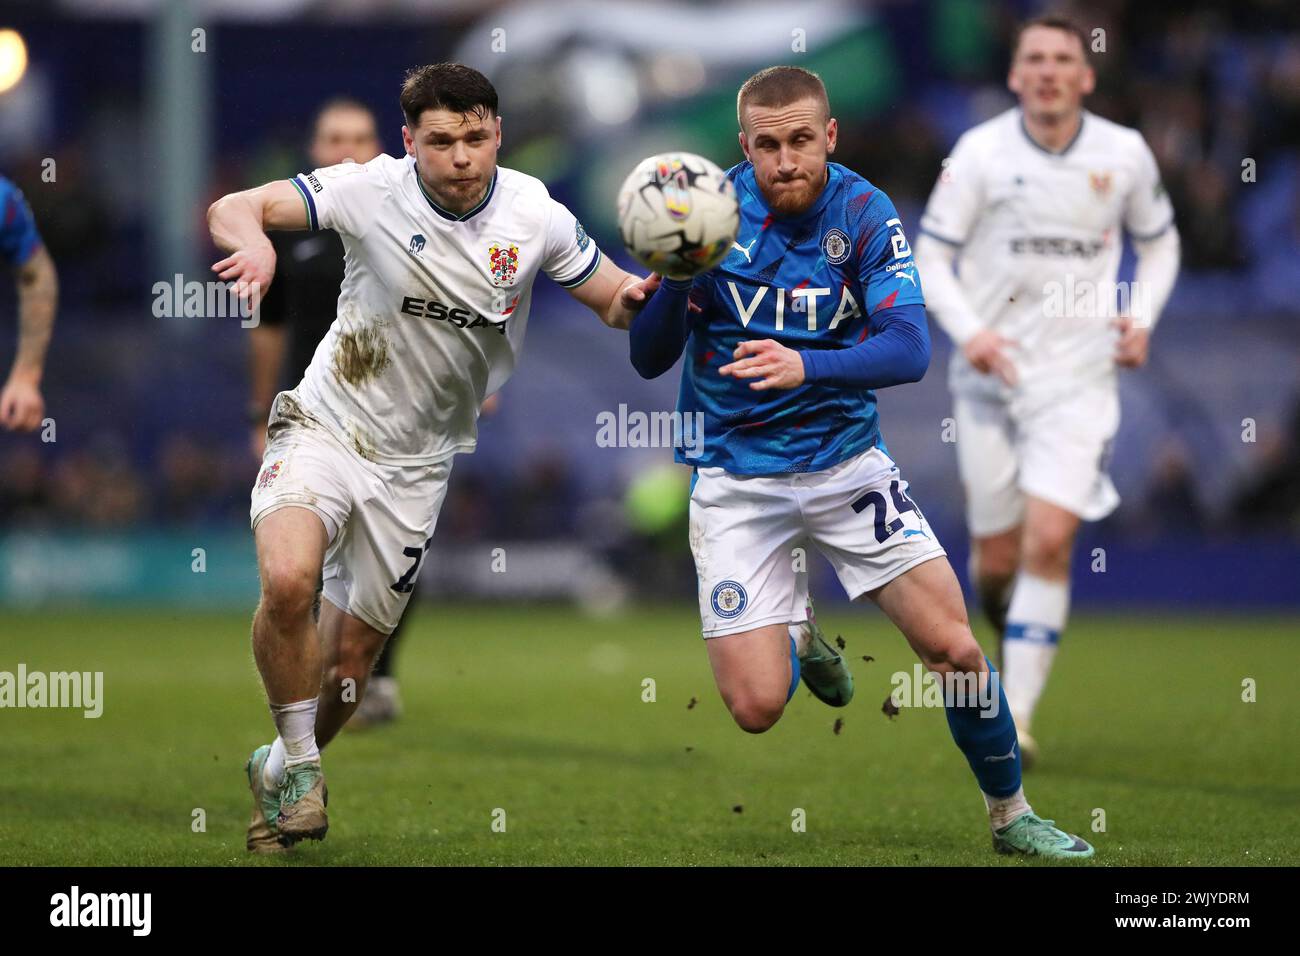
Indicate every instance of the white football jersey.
{"type": "Point", "coordinates": [433, 307]}
{"type": "Point", "coordinates": [1040, 238]}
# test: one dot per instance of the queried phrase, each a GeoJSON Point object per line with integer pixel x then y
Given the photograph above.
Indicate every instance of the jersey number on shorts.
{"type": "Point", "coordinates": [406, 583]}
{"type": "Point", "coordinates": [902, 504]}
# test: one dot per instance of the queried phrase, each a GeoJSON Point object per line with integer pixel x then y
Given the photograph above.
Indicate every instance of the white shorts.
{"type": "Point", "coordinates": [379, 518]}
{"type": "Point", "coordinates": [1057, 451]}
{"type": "Point", "coordinates": [750, 534]}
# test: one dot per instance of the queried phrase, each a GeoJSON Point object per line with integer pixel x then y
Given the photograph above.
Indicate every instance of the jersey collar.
{"type": "Point", "coordinates": [447, 214]}
{"type": "Point", "coordinates": [1083, 119]}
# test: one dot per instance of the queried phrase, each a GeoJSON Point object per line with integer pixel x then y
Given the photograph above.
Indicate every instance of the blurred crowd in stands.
{"type": "Point", "coordinates": [1214, 88]}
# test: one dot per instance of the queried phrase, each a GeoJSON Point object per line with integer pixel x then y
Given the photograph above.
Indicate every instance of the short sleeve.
{"type": "Point", "coordinates": [886, 269]}
{"type": "Point", "coordinates": [343, 197]}
{"type": "Point", "coordinates": [955, 201]}
{"type": "Point", "coordinates": [18, 236]}
{"type": "Point", "coordinates": [571, 256]}
{"type": "Point", "coordinates": [1147, 210]}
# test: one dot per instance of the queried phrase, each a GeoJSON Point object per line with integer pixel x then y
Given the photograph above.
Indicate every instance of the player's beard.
{"type": "Point", "coordinates": [795, 198]}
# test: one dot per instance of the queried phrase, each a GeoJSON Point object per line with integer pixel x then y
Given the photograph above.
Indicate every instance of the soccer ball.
{"type": "Point", "coordinates": [677, 214]}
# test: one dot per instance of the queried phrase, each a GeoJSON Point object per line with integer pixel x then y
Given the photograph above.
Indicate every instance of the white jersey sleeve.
{"type": "Point", "coordinates": [1147, 210]}
{"type": "Point", "coordinates": [571, 256]}
{"type": "Point", "coordinates": [958, 197]}
{"type": "Point", "coordinates": [343, 197]}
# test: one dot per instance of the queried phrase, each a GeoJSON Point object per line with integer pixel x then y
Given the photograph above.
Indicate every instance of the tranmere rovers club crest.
{"type": "Point", "coordinates": [269, 474]}
{"type": "Point", "coordinates": [503, 258]}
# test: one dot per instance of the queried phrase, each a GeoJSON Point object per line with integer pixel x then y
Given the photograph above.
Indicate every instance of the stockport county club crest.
{"type": "Point", "coordinates": [503, 258]}
{"type": "Point", "coordinates": [835, 247]}
{"type": "Point", "coordinates": [729, 599]}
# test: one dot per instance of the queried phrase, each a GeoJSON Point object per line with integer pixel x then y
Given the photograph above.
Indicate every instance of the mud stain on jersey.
{"type": "Point", "coordinates": [361, 444]}
{"type": "Point", "coordinates": [361, 354]}
{"type": "Point", "coordinates": [288, 411]}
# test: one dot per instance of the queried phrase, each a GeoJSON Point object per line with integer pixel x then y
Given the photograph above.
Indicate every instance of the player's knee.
{"type": "Point", "coordinates": [756, 714]}
{"type": "Point", "coordinates": [960, 654]}
{"type": "Point", "coordinates": [288, 593]}
{"type": "Point", "coordinates": [357, 654]}
{"type": "Point", "coordinates": [1047, 550]}
{"type": "Point", "coordinates": [965, 656]}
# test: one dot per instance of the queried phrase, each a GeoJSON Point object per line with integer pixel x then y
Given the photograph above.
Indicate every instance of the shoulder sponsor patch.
{"type": "Point", "coordinates": [581, 236]}
{"type": "Point", "coordinates": [898, 240]}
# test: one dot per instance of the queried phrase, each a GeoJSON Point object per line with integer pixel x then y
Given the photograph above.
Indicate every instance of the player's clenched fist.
{"type": "Point", "coordinates": [1134, 342]}
{"type": "Point", "coordinates": [21, 405]}
{"type": "Point", "coordinates": [774, 365]}
{"type": "Point", "coordinates": [986, 352]}
{"type": "Point", "coordinates": [251, 269]}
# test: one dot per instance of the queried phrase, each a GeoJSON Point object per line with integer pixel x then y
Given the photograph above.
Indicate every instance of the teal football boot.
{"type": "Point", "coordinates": [1031, 835]}
{"type": "Point", "coordinates": [821, 667]}
{"type": "Point", "coordinates": [262, 834]}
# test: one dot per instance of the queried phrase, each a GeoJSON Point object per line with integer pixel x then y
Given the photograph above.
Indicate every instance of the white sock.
{"type": "Point", "coordinates": [1037, 615]}
{"type": "Point", "coordinates": [802, 635]}
{"type": "Point", "coordinates": [273, 769]}
{"type": "Point", "coordinates": [1003, 810]}
{"type": "Point", "coordinates": [297, 725]}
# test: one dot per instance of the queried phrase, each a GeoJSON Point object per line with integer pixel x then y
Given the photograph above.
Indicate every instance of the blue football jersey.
{"type": "Point", "coordinates": [18, 235]}
{"type": "Point", "coordinates": [811, 282]}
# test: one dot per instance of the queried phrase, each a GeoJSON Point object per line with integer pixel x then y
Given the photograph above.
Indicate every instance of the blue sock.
{"type": "Point", "coordinates": [794, 672]}
{"type": "Point", "coordinates": [989, 742]}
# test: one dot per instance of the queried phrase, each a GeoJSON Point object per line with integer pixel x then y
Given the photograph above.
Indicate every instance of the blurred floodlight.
{"type": "Point", "coordinates": [13, 59]}
{"type": "Point", "coordinates": [609, 83]}
{"type": "Point", "coordinates": [678, 74]}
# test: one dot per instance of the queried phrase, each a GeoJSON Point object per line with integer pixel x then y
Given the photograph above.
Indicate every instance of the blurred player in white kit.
{"type": "Point", "coordinates": [1031, 209]}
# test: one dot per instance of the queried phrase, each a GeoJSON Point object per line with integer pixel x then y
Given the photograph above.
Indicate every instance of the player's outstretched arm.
{"type": "Point", "coordinates": [897, 352]}
{"type": "Point", "coordinates": [238, 223]}
{"type": "Point", "coordinates": [21, 405]}
{"type": "Point", "coordinates": [660, 330]}
{"type": "Point", "coordinates": [614, 295]}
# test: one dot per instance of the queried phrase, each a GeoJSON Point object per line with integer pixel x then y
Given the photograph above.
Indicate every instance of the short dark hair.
{"type": "Point", "coordinates": [1053, 21]}
{"type": "Point", "coordinates": [780, 86]}
{"type": "Point", "coordinates": [341, 103]}
{"type": "Point", "coordinates": [447, 86]}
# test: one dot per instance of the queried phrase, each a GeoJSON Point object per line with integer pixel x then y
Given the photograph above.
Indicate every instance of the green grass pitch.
{"type": "Point", "coordinates": [538, 711]}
